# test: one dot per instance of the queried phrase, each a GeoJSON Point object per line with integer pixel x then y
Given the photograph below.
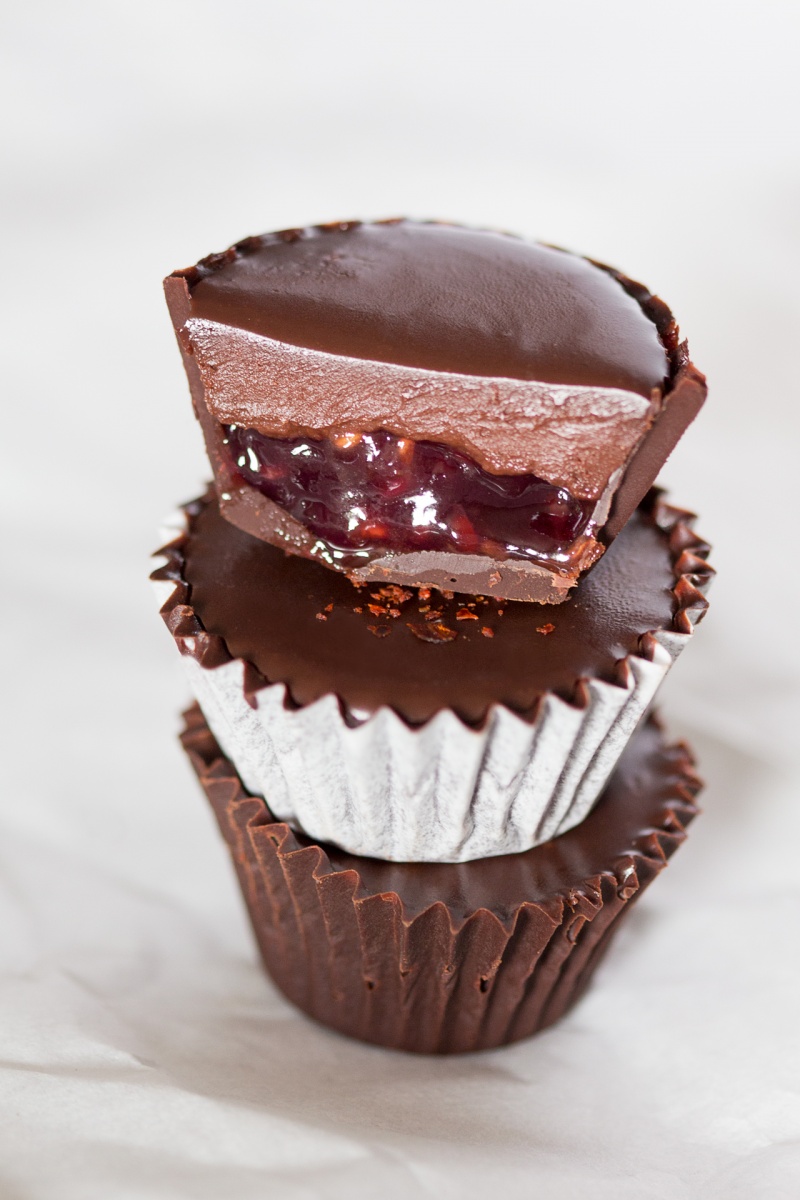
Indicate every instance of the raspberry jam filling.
{"type": "Point", "coordinates": [365, 494]}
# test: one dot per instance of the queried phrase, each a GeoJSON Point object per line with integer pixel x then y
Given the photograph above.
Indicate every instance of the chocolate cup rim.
{"type": "Point", "coordinates": [691, 570]}
{"type": "Point", "coordinates": [649, 847]}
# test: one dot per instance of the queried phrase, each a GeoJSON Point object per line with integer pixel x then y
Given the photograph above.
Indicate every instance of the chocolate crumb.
{"type": "Point", "coordinates": [486, 631]}
{"type": "Point", "coordinates": [434, 632]}
{"type": "Point", "coordinates": [379, 630]}
{"type": "Point", "coordinates": [321, 617]}
{"type": "Point", "coordinates": [424, 593]}
{"type": "Point", "coordinates": [494, 578]}
{"type": "Point", "coordinates": [545, 629]}
{"type": "Point", "coordinates": [448, 595]}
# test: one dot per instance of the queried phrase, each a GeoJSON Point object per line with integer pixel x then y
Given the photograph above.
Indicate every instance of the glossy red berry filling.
{"type": "Point", "coordinates": [365, 494]}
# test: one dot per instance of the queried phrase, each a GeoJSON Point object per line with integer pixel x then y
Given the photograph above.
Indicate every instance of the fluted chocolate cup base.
{"type": "Point", "coordinates": [453, 957]}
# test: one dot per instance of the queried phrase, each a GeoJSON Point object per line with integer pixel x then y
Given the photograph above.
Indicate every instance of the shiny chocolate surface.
{"type": "Point", "coordinates": [440, 297]}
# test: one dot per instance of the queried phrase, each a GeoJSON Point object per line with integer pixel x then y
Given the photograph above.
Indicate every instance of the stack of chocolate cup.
{"type": "Point", "coordinates": [424, 610]}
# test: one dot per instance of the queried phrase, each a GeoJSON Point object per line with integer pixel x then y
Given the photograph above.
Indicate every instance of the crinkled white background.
{"type": "Point", "coordinates": [143, 1052]}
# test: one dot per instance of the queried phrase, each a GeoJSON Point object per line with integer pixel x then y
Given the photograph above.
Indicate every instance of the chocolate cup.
{"type": "Point", "coordinates": [448, 958]}
{"type": "Point", "coordinates": [634, 460]}
{"type": "Point", "coordinates": [397, 748]}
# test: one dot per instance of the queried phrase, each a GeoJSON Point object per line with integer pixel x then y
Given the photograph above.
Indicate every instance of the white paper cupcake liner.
{"type": "Point", "coordinates": [442, 792]}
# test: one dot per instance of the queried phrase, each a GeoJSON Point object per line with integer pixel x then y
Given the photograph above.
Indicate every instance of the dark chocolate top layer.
{"type": "Point", "coordinates": [438, 297]}
{"type": "Point", "coordinates": [299, 625]}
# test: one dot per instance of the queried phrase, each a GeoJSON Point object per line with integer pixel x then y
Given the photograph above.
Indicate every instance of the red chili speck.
{"type": "Point", "coordinates": [392, 593]}
{"type": "Point", "coordinates": [545, 629]}
{"type": "Point", "coordinates": [486, 631]}
{"type": "Point", "coordinates": [464, 614]}
{"type": "Point", "coordinates": [379, 630]}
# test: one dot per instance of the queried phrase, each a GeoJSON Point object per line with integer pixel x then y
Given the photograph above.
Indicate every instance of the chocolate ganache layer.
{"type": "Point", "coordinates": [421, 651]}
{"type": "Point", "coordinates": [516, 359]}
{"type": "Point", "coordinates": [446, 958]}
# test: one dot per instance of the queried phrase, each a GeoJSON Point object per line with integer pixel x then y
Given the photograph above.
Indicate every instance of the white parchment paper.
{"type": "Point", "coordinates": [143, 1054]}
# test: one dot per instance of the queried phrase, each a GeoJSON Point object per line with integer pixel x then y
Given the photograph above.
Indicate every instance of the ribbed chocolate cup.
{"type": "Point", "coordinates": [448, 958]}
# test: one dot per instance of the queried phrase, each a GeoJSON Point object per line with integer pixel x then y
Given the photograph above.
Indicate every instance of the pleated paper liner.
{"type": "Point", "coordinates": [448, 958]}
{"type": "Point", "coordinates": [443, 791]}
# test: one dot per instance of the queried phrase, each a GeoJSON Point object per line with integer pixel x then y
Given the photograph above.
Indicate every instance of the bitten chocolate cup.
{"type": "Point", "coordinates": [449, 958]}
{"type": "Point", "coordinates": [411, 728]}
{"type": "Point", "coordinates": [427, 405]}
